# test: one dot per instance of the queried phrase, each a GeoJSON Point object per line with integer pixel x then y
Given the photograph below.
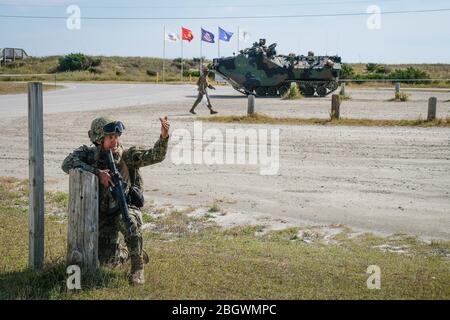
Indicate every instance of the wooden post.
{"type": "Point", "coordinates": [397, 87]}
{"type": "Point", "coordinates": [82, 239]}
{"type": "Point", "coordinates": [342, 93]}
{"type": "Point", "coordinates": [251, 104]}
{"type": "Point", "coordinates": [157, 77]}
{"type": "Point", "coordinates": [36, 176]}
{"type": "Point", "coordinates": [335, 106]}
{"type": "Point", "coordinates": [432, 106]}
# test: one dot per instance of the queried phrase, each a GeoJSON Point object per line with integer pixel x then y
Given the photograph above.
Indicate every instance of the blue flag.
{"type": "Point", "coordinates": [207, 36]}
{"type": "Point", "coordinates": [224, 35]}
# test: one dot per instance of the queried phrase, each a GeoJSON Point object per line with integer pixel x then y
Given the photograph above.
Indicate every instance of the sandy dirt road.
{"type": "Point", "coordinates": [386, 180]}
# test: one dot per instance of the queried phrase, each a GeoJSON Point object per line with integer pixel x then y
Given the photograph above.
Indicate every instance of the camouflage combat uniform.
{"type": "Point", "coordinates": [203, 84]}
{"type": "Point", "coordinates": [128, 162]}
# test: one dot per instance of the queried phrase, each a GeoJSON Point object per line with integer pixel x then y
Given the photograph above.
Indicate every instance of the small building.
{"type": "Point", "coordinates": [12, 54]}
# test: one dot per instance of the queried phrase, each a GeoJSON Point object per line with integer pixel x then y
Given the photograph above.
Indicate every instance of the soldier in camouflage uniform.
{"type": "Point", "coordinates": [105, 135]}
{"type": "Point", "coordinates": [203, 84]}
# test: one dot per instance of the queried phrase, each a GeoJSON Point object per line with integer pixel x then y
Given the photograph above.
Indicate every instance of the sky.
{"type": "Point", "coordinates": [391, 38]}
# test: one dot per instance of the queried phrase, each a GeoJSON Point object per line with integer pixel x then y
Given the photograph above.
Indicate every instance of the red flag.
{"type": "Point", "coordinates": [186, 34]}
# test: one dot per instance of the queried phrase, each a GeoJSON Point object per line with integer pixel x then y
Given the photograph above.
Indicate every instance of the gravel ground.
{"type": "Point", "coordinates": [380, 179]}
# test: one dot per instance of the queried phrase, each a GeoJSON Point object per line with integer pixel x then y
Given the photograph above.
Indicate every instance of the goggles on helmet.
{"type": "Point", "coordinates": [114, 127]}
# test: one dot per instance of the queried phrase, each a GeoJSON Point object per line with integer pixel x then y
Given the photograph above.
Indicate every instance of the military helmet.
{"type": "Point", "coordinates": [96, 133]}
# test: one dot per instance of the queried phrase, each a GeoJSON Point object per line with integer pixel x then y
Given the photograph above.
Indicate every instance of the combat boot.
{"type": "Point", "coordinates": [192, 111]}
{"type": "Point", "coordinates": [211, 111]}
{"type": "Point", "coordinates": [137, 277]}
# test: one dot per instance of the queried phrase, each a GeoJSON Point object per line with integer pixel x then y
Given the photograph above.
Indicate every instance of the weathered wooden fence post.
{"type": "Point", "coordinates": [36, 176]}
{"type": "Point", "coordinates": [432, 106]}
{"type": "Point", "coordinates": [342, 93]}
{"type": "Point", "coordinates": [335, 106]}
{"type": "Point", "coordinates": [82, 239]}
{"type": "Point", "coordinates": [397, 87]}
{"type": "Point", "coordinates": [251, 104]}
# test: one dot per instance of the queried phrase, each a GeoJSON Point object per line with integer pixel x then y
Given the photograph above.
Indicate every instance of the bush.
{"type": "Point", "coordinates": [176, 64]}
{"type": "Point", "coordinates": [193, 73]}
{"type": "Point", "coordinates": [151, 73]}
{"type": "Point", "coordinates": [347, 71]}
{"type": "Point", "coordinates": [95, 70]}
{"type": "Point", "coordinates": [292, 94]}
{"type": "Point", "coordinates": [77, 62]}
{"type": "Point", "coordinates": [401, 96]}
{"type": "Point", "coordinates": [409, 73]}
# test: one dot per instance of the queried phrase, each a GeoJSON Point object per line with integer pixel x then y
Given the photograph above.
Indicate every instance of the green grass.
{"type": "Point", "coordinates": [215, 263]}
{"type": "Point", "coordinates": [259, 118]}
{"type": "Point", "coordinates": [19, 87]}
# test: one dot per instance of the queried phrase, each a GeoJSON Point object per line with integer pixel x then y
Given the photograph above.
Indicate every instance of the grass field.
{"type": "Point", "coordinates": [193, 258]}
{"type": "Point", "coordinates": [144, 69]}
{"type": "Point", "coordinates": [140, 69]}
{"type": "Point", "coordinates": [259, 118]}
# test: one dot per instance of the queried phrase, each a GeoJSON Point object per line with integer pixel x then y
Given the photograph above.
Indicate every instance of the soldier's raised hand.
{"type": "Point", "coordinates": [165, 126]}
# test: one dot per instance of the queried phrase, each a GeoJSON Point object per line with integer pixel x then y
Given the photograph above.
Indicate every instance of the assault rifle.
{"type": "Point", "coordinates": [118, 191]}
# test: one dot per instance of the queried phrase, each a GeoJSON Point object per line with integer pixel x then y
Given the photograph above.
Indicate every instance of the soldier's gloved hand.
{"type": "Point", "coordinates": [105, 178]}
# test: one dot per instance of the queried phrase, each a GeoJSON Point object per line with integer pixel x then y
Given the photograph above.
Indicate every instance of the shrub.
{"type": "Point", "coordinates": [347, 71]}
{"type": "Point", "coordinates": [95, 70]}
{"type": "Point", "coordinates": [292, 94]}
{"type": "Point", "coordinates": [193, 73]}
{"type": "Point", "coordinates": [401, 96]}
{"type": "Point", "coordinates": [77, 62]}
{"type": "Point", "coordinates": [151, 73]}
{"type": "Point", "coordinates": [409, 73]}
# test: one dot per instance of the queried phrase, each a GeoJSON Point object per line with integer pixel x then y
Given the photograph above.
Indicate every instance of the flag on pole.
{"type": "Point", "coordinates": [171, 37]}
{"type": "Point", "coordinates": [224, 35]}
{"type": "Point", "coordinates": [244, 35]}
{"type": "Point", "coordinates": [186, 34]}
{"type": "Point", "coordinates": [207, 36]}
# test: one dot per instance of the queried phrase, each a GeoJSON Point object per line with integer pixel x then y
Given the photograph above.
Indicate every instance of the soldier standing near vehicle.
{"type": "Point", "coordinates": [105, 134]}
{"type": "Point", "coordinates": [203, 84]}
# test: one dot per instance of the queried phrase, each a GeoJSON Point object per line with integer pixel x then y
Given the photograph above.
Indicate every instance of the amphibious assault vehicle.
{"type": "Point", "coordinates": [259, 70]}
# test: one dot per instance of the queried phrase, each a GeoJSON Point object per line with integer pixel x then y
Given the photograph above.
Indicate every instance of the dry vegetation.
{"type": "Point", "coordinates": [259, 118]}
{"type": "Point", "coordinates": [111, 69]}
{"type": "Point", "coordinates": [208, 262]}
{"type": "Point", "coordinates": [18, 87]}
{"type": "Point", "coordinates": [144, 69]}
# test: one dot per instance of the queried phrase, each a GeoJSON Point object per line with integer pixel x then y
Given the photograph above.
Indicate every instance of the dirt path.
{"type": "Point", "coordinates": [384, 180]}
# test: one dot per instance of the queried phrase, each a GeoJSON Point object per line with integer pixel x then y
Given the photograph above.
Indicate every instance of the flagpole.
{"type": "Point", "coordinates": [181, 38]}
{"type": "Point", "coordinates": [201, 57]}
{"type": "Point", "coordinates": [164, 55]}
{"type": "Point", "coordinates": [218, 43]}
{"type": "Point", "coordinates": [238, 36]}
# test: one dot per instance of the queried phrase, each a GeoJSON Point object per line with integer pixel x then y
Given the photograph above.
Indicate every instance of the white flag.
{"type": "Point", "coordinates": [171, 37]}
{"type": "Point", "coordinates": [244, 35]}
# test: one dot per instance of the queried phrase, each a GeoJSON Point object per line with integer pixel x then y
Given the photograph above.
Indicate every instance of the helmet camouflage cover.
{"type": "Point", "coordinates": [96, 133]}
